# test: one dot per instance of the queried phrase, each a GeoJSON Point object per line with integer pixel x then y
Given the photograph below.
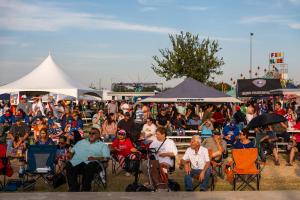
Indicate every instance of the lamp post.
{"type": "Point", "coordinates": [250, 71]}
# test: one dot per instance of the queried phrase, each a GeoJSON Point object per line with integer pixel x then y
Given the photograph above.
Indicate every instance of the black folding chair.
{"type": "Point", "coordinates": [100, 177]}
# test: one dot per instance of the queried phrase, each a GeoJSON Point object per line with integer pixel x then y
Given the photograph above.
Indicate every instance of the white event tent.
{"type": "Point", "coordinates": [48, 77]}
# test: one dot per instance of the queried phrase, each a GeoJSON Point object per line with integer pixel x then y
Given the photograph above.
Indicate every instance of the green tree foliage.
{"type": "Point", "coordinates": [188, 57]}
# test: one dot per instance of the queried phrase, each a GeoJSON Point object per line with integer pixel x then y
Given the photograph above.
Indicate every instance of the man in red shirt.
{"type": "Point", "coordinates": [278, 109]}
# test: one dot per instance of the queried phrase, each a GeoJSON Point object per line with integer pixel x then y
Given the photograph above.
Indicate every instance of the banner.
{"type": "Point", "coordinates": [276, 58]}
{"type": "Point", "coordinates": [256, 87]}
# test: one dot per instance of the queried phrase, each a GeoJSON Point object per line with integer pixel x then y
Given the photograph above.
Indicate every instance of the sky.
{"type": "Point", "coordinates": [105, 41]}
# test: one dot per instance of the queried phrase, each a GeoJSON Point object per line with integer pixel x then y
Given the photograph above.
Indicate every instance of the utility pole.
{"type": "Point", "coordinates": [250, 71]}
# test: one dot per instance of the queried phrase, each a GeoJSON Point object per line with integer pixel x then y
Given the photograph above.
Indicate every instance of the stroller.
{"type": "Point", "coordinates": [153, 172]}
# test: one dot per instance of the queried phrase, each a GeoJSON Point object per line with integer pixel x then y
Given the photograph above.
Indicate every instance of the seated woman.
{"type": "Point", "coordinates": [243, 142]}
{"type": "Point", "coordinates": [122, 147]}
{"type": "Point", "coordinates": [44, 138]}
{"type": "Point", "coordinates": [73, 137]}
{"type": "Point", "coordinates": [38, 125]}
{"type": "Point", "coordinates": [109, 128]}
{"type": "Point", "coordinates": [296, 145]}
{"type": "Point", "coordinates": [165, 150]}
{"type": "Point", "coordinates": [206, 129]}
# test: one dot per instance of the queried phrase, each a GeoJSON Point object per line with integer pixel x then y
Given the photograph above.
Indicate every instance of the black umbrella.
{"type": "Point", "coordinates": [266, 119]}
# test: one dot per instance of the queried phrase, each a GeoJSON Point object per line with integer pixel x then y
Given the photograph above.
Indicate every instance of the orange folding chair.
{"type": "Point", "coordinates": [246, 169]}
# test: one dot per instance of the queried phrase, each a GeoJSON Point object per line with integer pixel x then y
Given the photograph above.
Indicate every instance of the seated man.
{"type": "Point", "coordinates": [85, 153]}
{"type": "Point", "coordinates": [196, 163]}
{"type": "Point", "coordinates": [267, 142]}
{"type": "Point", "coordinates": [19, 133]}
{"type": "Point", "coordinates": [217, 146]}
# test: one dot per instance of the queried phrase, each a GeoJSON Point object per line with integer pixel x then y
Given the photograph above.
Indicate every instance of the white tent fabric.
{"type": "Point", "coordinates": [49, 77]}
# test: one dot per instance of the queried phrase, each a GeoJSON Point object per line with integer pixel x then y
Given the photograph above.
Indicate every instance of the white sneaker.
{"type": "Point", "coordinates": [127, 174]}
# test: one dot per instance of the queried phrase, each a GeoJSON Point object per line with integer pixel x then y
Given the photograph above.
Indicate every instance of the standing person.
{"type": "Point", "coordinates": [196, 163]}
{"type": "Point", "coordinates": [112, 107]}
{"type": "Point", "coordinates": [85, 153]}
{"type": "Point", "coordinates": [109, 128]}
{"type": "Point", "coordinates": [24, 105]}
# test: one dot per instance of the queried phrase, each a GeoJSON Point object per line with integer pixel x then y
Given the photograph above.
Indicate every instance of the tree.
{"type": "Point", "coordinates": [189, 58]}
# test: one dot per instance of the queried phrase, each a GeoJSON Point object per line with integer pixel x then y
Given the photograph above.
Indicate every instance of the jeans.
{"type": "Point", "coordinates": [188, 179]}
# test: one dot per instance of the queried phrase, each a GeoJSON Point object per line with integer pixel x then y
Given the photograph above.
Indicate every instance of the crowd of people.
{"type": "Point", "coordinates": [122, 125]}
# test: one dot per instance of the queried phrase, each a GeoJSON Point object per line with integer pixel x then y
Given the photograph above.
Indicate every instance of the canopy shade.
{"type": "Point", "coordinates": [49, 77]}
{"type": "Point", "coordinates": [191, 90]}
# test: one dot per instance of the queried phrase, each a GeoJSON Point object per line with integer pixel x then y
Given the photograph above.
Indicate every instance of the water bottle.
{"type": "Point", "coordinates": [21, 171]}
{"type": "Point", "coordinates": [102, 176]}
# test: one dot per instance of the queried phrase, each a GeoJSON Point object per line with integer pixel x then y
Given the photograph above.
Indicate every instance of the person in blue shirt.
{"type": "Point", "coordinates": [206, 129]}
{"type": "Point", "coordinates": [231, 132]}
{"type": "Point", "coordinates": [86, 153]}
{"type": "Point", "coordinates": [24, 116]}
{"type": "Point", "coordinates": [7, 119]}
{"type": "Point", "coordinates": [243, 142]}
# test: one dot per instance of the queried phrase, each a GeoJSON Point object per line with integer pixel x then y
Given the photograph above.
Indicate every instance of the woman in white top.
{"type": "Point", "coordinates": [166, 149]}
{"type": "Point", "coordinates": [149, 130]}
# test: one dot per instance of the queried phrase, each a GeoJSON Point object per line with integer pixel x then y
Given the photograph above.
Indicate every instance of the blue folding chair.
{"type": "Point", "coordinates": [40, 164]}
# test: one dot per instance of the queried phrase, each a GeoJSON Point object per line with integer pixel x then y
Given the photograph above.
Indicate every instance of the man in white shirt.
{"type": "Point", "coordinates": [196, 163]}
{"type": "Point", "coordinates": [149, 130]}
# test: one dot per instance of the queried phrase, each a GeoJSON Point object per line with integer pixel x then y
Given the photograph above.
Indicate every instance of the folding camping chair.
{"type": "Point", "coordinates": [100, 177]}
{"type": "Point", "coordinates": [40, 164]}
{"type": "Point", "coordinates": [246, 168]}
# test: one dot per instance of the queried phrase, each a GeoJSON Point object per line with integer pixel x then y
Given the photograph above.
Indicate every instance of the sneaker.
{"type": "Point", "coordinates": [277, 163]}
{"type": "Point", "coordinates": [289, 164]}
{"type": "Point", "coordinates": [127, 174]}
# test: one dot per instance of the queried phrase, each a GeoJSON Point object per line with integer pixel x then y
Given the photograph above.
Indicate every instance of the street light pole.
{"type": "Point", "coordinates": [251, 34]}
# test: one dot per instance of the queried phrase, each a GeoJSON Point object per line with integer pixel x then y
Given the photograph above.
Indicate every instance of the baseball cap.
{"type": "Point", "coordinates": [237, 108]}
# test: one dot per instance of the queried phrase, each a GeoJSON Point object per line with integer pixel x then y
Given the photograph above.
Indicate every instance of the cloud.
{"type": "Point", "coordinates": [148, 9]}
{"type": "Point", "coordinates": [294, 26]}
{"type": "Point", "coordinates": [294, 2]}
{"type": "Point", "coordinates": [155, 2]}
{"type": "Point", "coordinates": [264, 19]}
{"type": "Point", "coordinates": [18, 16]}
{"type": "Point", "coordinates": [7, 41]}
{"type": "Point", "coordinates": [194, 8]}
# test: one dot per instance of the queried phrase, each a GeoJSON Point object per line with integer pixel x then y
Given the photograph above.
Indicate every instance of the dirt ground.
{"type": "Point", "coordinates": [273, 178]}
